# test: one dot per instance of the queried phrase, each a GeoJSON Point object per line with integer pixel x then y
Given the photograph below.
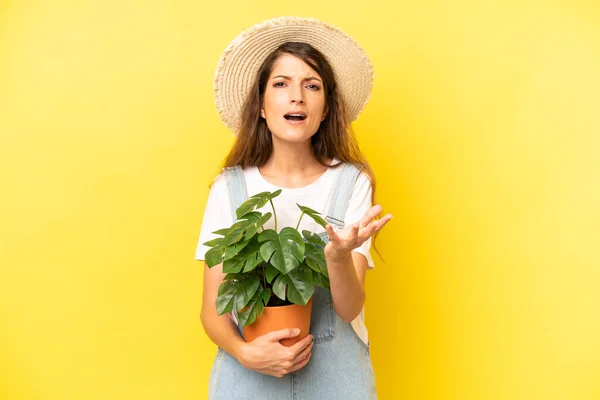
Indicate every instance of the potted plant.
{"type": "Point", "coordinates": [268, 272]}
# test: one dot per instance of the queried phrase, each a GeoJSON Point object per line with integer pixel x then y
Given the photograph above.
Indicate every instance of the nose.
{"type": "Point", "coordinates": [296, 95]}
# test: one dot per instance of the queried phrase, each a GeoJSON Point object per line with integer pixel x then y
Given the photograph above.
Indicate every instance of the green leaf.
{"type": "Point", "coordinates": [299, 285]}
{"type": "Point", "coordinates": [214, 242]}
{"type": "Point", "coordinates": [320, 280]}
{"type": "Point", "coordinates": [255, 202]}
{"type": "Point", "coordinates": [238, 288]}
{"type": "Point", "coordinates": [271, 272]}
{"type": "Point", "coordinates": [235, 248]}
{"type": "Point", "coordinates": [247, 259]}
{"type": "Point", "coordinates": [233, 266]}
{"type": "Point", "coordinates": [255, 307]}
{"type": "Point", "coordinates": [315, 215]}
{"type": "Point", "coordinates": [214, 256]}
{"type": "Point", "coordinates": [313, 238]}
{"type": "Point", "coordinates": [280, 287]}
{"type": "Point", "coordinates": [236, 233]}
{"type": "Point", "coordinates": [217, 241]}
{"type": "Point", "coordinates": [284, 251]}
{"type": "Point", "coordinates": [256, 224]}
{"type": "Point", "coordinates": [266, 295]}
{"type": "Point", "coordinates": [253, 261]}
{"type": "Point", "coordinates": [315, 252]}
{"type": "Point", "coordinates": [249, 224]}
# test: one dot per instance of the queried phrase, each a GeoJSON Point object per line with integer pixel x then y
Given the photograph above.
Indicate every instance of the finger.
{"type": "Point", "coordinates": [332, 235]}
{"type": "Point", "coordinates": [296, 348]}
{"type": "Point", "coordinates": [382, 222]}
{"type": "Point", "coordinates": [373, 228]}
{"type": "Point", "coordinates": [370, 214]}
{"type": "Point", "coordinates": [301, 364]}
{"type": "Point", "coordinates": [286, 333]}
{"type": "Point", "coordinates": [304, 353]}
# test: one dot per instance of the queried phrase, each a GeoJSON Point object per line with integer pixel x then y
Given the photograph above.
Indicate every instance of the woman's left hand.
{"type": "Point", "coordinates": [350, 237]}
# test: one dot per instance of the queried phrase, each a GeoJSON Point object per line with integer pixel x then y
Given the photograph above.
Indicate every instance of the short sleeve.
{"type": "Point", "coordinates": [360, 203]}
{"type": "Point", "coordinates": [217, 215]}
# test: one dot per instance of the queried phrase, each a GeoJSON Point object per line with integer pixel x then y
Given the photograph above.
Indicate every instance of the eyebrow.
{"type": "Point", "coordinates": [310, 78]}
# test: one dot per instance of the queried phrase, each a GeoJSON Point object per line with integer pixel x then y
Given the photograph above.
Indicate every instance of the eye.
{"type": "Point", "coordinates": [314, 87]}
{"type": "Point", "coordinates": [277, 84]}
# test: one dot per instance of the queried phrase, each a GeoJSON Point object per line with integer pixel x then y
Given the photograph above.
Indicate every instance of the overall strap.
{"type": "Point", "coordinates": [236, 185]}
{"type": "Point", "coordinates": [339, 196]}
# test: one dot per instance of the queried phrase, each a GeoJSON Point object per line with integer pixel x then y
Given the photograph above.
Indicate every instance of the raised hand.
{"type": "Point", "coordinates": [353, 236]}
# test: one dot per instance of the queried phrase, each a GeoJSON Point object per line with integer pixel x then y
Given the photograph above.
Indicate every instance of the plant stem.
{"type": "Point", "coordinates": [301, 215]}
{"type": "Point", "coordinates": [274, 213]}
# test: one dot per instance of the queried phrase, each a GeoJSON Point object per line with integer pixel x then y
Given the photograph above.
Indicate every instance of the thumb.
{"type": "Point", "coordinates": [283, 334]}
{"type": "Point", "coordinates": [331, 232]}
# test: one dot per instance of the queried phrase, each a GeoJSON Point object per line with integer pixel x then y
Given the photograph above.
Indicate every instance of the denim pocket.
{"type": "Point", "coordinates": [365, 346]}
{"type": "Point", "coordinates": [322, 319]}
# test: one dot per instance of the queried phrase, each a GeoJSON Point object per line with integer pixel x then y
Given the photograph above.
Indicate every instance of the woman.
{"type": "Point", "coordinates": [291, 112]}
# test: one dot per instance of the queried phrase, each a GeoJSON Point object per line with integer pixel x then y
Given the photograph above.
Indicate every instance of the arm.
{"type": "Point", "coordinates": [347, 278]}
{"type": "Point", "coordinates": [347, 269]}
{"type": "Point", "coordinates": [221, 329]}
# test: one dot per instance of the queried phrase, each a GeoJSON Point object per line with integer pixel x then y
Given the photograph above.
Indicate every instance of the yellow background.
{"type": "Point", "coordinates": [483, 131]}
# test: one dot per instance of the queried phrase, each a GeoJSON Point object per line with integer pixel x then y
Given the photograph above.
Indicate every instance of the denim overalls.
{"type": "Point", "coordinates": [340, 364]}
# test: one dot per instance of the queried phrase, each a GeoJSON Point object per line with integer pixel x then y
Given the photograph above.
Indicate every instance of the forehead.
{"type": "Point", "coordinates": [290, 65]}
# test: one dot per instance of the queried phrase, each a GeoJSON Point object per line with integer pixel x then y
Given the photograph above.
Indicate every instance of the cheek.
{"type": "Point", "coordinates": [319, 102]}
{"type": "Point", "coordinates": [319, 108]}
{"type": "Point", "coordinates": [274, 99]}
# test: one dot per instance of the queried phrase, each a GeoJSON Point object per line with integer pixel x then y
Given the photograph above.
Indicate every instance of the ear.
{"type": "Point", "coordinates": [325, 113]}
{"type": "Point", "coordinates": [262, 108]}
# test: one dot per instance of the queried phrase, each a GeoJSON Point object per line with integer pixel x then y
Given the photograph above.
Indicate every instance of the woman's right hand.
{"type": "Point", "coordinates": [266, 355]}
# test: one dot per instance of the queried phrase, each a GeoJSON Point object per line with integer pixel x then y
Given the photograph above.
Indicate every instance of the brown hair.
{"type": "Point", "coordinates": [334, 138]}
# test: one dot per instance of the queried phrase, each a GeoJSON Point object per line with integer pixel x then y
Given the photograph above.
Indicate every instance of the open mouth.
{"type": "Point", "coordinates": [294, 117]}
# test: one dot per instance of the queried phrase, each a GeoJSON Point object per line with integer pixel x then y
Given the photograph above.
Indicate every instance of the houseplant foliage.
{"type": "Point", "coordinates": [265, 267]}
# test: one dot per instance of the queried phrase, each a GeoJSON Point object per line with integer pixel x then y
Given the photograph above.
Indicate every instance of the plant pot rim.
{"type": "Point", "coordinates": [291, 305]}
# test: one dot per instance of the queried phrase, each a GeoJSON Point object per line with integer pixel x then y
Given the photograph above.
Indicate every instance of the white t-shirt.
{"type": "Point", "coordinates": [217, 214]}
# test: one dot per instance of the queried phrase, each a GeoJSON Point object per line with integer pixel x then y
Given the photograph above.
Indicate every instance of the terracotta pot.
{"type": "Point", "coordinates": [277, 318]}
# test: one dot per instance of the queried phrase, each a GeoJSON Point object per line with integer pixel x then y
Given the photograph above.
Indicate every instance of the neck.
{"type": "Point", "coordinates": [292, 159]}
{"type": "Point", "coordinates": [292, 165]}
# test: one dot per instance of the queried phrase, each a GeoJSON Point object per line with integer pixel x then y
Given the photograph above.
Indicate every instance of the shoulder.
{"type": "Point", "coordinates": [219, 184]}
{"type": "Point", "coordinates": [362, 179]}
{"type": "Point", "coordinates": [232, 178]}
{"type": "Point", "coordinates": [226, 173]}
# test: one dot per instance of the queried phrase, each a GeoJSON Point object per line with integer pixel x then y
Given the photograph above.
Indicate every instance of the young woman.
{"type": "Point", "coordinates": [291, 112]}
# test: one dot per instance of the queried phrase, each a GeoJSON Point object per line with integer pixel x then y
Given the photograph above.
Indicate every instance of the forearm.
{"type": "Point", "coordinates": [347, 290]}
{"type": "Point", "coordinates": [223, 331]}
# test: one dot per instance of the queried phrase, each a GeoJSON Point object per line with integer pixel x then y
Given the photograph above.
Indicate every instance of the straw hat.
{"type": "Point", "coordinates": [241, 60]}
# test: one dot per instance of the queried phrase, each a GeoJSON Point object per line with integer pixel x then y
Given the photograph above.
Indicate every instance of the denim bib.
{"type": "Point", "coordinates": [340, 365]}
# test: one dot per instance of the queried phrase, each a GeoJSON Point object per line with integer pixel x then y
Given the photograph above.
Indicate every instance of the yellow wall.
{"type": "Point", "coordinates": [483, 130]}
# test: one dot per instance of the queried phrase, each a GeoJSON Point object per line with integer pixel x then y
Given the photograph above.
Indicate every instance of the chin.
{"type": "Point", "coordinates": [293, 135]}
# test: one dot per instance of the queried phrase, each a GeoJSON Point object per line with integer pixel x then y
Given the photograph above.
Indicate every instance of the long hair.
{"type": "Point", "coordinates": [334, 138]}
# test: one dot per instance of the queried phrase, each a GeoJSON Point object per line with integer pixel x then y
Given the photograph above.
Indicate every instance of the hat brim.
{"type": "Point", "coordinates": [239, 63]}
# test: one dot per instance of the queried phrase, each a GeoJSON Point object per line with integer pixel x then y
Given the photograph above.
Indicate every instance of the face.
{"type": "Point", "coordinates": [293, 88]}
